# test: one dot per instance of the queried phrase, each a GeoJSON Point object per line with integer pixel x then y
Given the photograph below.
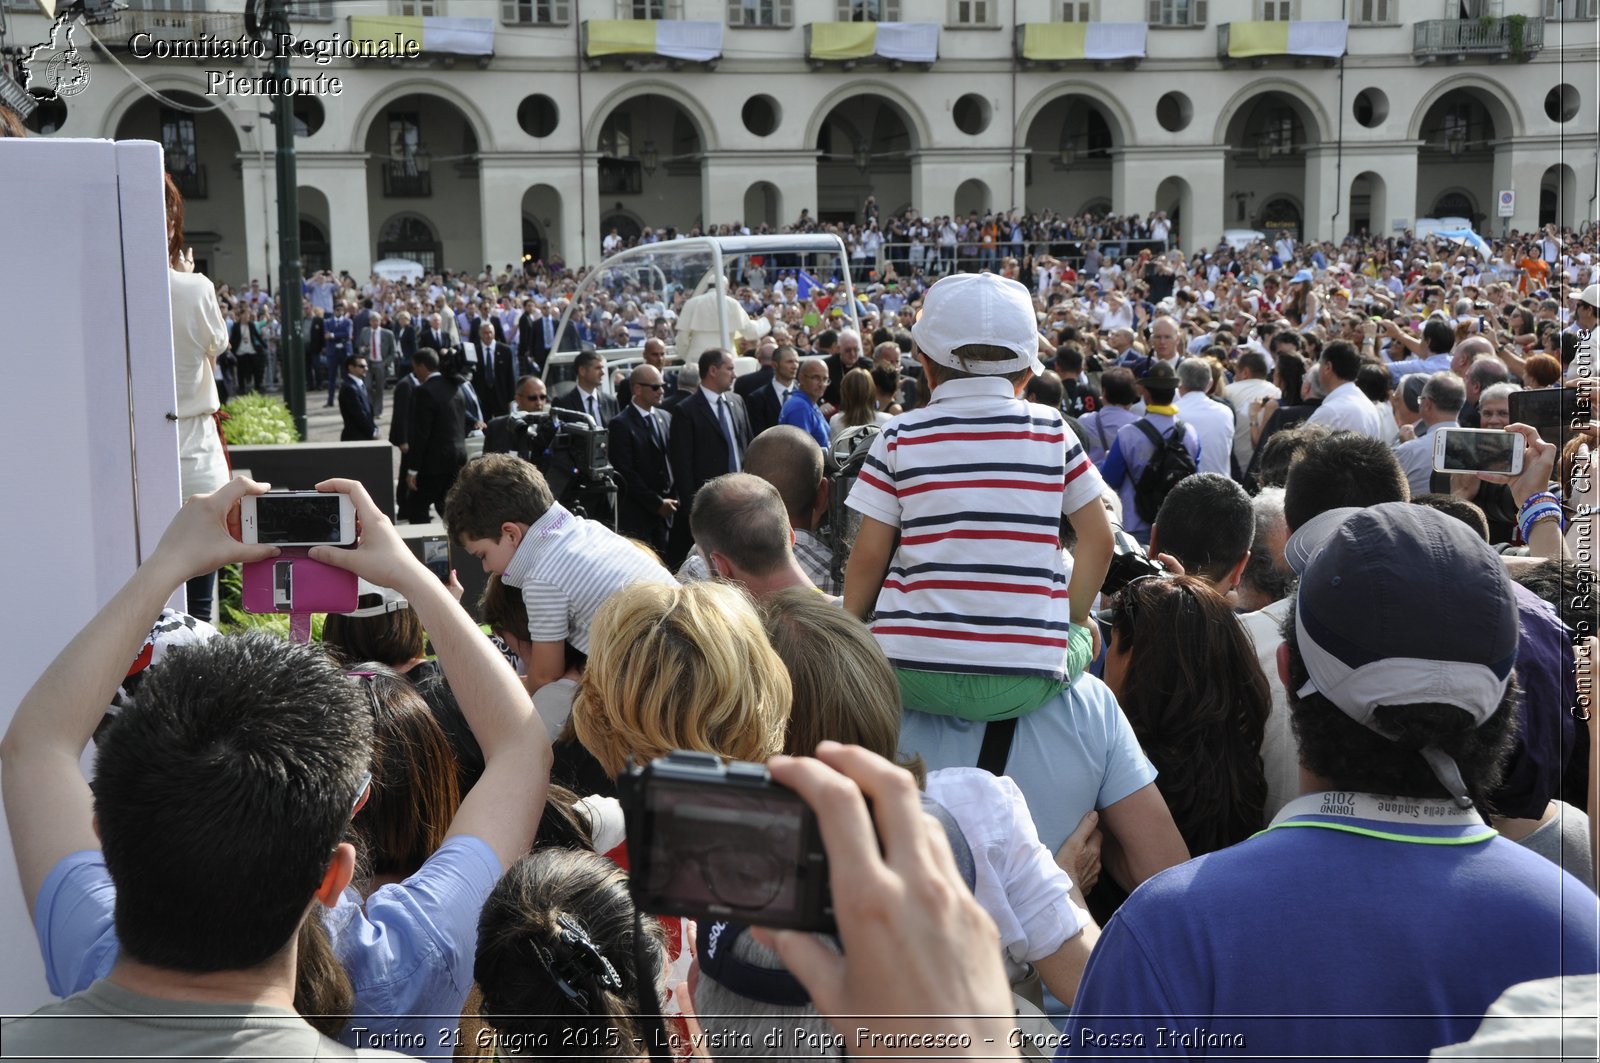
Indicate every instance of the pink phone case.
{"type": "Point", "coordinates": [293, 583]}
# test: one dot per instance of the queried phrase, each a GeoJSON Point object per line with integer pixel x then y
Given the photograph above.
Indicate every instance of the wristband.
{"type": "Point", "coordinates": [1540, 497]}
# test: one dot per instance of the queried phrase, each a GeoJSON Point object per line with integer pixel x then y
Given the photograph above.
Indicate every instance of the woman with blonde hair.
{"type": "Point", "coordinates": [680, 667]}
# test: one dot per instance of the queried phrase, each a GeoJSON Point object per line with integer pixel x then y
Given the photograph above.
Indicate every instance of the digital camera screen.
{"type": "Point", "coordinates": [284, 521]}
{"type": "Point", "coordinates": [1486, 452]}
{"type": "Point", "coordinates": [732, 850]}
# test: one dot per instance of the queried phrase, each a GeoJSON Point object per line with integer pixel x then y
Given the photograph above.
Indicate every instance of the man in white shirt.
{"type": "Point", "coordinates": [1440, 405]}
{"type": "Point", "coordinates": [1346, 406]}
{"type": "Point", "coordinates": [1213, 420]}
{"type": "Point", "coordinates": [1250, 385]}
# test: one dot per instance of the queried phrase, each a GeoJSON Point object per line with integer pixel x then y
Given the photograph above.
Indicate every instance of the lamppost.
{"type": "Point", "coordinates": [264, 21]}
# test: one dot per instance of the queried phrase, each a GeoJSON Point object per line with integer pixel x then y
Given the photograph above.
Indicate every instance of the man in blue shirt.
{"type": "Point", "coordinates": [801, 409]}
{"type": "Point", "coordinates": [1378, 911]}
{"type": "Point", "coordinates": [1132, 450]}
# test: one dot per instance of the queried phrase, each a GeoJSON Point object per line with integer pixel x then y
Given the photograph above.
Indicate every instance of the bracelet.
{"type": "Point", "coordinates": [1539, 497]}
{"type": "Point", "coordinates": [1540, 513]}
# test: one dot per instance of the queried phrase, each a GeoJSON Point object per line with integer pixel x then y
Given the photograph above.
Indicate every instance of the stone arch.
{"type": "Point", "coordinates": [1462, 192]}
{"type": "Point", "coordinates": [767, 198]}
{"type": "Point", "coordinates": [973, 195]}
{"type": "Point", "coordinates": [1122, 124]}
{"type": "Point", "coordinates": [1311, 110]}
{"type": "Point", "coordinates": [168, 83]}
{"type": "Point", "coordinates": [1502, 106]}
{"type": "Point", "coordinates": [596, 118]}
{"type": "Point", "coordinates": [420, 86]}
{"type": "Point", "coordinates": [915, 121]}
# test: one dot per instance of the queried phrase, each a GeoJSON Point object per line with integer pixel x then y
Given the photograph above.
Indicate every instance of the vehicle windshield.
{"type": "Point", "coordinates": [651, 291]}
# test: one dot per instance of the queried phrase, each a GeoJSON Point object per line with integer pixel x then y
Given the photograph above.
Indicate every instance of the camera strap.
{"type": "Point", "coordinates": [996, 749]}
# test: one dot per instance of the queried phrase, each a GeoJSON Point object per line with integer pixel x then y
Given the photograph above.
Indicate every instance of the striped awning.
{"type": "Point", "coordinates": [1062, 41]}
{"type": "Point", "coordinates": [432, 33]}
{"type": "Point", "coordinates": [1326, 40]}
{"type": "Point", "coordinates": [911, 42]}
{"type": "Point", "coordinates": [698, 42]}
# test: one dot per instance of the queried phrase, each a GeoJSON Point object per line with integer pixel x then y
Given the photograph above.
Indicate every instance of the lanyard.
{"type": "Point", "coordinates": [1357, 813]}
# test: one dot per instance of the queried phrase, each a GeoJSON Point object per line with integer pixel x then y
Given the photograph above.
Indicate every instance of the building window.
{"type": "Point", "coordinates": [1373, 13]}
{"type": "Point", "coordinates": [1077, 11]}
{"type": "Point", "coordinates": [312, 11]}
{"type": "Point", "coordinates": [417, 8]}
{"type": "Point", "coordinates": [405, 137]}
{"type": "Point", "coordinates": [536, 12]}
{"type": "Point", "coordinates": [165, 5]}
{"type": "Point", "coordinates": [650, 10]}
{"type": "Point", "coordinates": [1277, 10]}
{"type": "Point", "coordinates": [774, 13]}
{"type": "Point", "coordinates": [177, 141]}
{"type": "Point", "coordinates": [1570, 10]}
{"type": "Point", "coordinates": [616, 136]}
{"type": "Point", "coordinates": [1182, 14]}
{"type": "Point", "coordinates": [867, 11]}
{"type": "Point", "coordinates": [970, 13]}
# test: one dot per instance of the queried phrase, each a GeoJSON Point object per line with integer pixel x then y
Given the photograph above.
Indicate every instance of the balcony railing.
{"type": "Point", "coordinates": [408, 177]}
{"type": "Point", "coordinates": [1516, 36]}
{"type": "Point", "coordinates": [192, 183]}
{"type": "Point", "coordinates": [170, 26]}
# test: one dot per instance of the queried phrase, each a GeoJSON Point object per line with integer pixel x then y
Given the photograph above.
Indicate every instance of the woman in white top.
{"type": "Point", "coordinates": [858, 399]}
{"type": "Point", "coordinates": [198, 337]}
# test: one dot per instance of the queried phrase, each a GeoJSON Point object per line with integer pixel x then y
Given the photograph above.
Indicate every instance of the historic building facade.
{"type": "Point", "coordinates": [531, 127]}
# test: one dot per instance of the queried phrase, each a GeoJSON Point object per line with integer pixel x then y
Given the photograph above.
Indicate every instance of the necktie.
{"type": "Point", "coordinates": [549, 332]}
{"type": "Point", "coordinates": [786, 393]}
{"type": "Point", "coordinates": [592, 411]}
{"type": "Point", "coordinates": [655, 429]}
{"type": "Point", "coordinates": [727, 434]}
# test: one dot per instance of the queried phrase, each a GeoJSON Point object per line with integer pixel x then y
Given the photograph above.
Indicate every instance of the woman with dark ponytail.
{"type": "Point", "coordinates": [556, 960]}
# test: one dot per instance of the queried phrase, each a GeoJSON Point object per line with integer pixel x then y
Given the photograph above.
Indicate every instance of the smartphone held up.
{"type": "Point", "coordinates": [297, 518]}
{"type": "Point", "coordinates": [1475, 450]}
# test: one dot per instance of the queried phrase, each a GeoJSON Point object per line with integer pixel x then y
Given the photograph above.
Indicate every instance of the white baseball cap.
{"type": "Point", "coordinates": [969, 308]}
{"type": "Point", "coordinates": [1590, 295]}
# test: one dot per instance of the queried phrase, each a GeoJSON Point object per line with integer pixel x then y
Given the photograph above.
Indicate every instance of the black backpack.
{"type": "Point", "coordinates": [1170, 463]}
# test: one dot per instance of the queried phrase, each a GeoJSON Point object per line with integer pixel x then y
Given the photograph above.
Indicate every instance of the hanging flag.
{"type": "Point", "coordinates": [911, 42]}
{"type": "Point", "coordinates": [432, 33]}
{"type": "Point", "coordinates": [1047, 41]}
{"type": "Point", "coordinates": [697, 42]}
{"type": "Point", "coordinates": [1325, 39]}
{"type": "Point", "coordinates": [806, 285]}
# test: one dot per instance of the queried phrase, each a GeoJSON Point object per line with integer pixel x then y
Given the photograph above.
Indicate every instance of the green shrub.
{"type": "Point", "coordinates": [232, 617]}
{"type": "Point", "coordinates": [258, 419]}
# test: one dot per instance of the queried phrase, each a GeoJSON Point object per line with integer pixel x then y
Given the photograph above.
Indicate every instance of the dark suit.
{"type": "Point", "coordinates": [248, 366]}
{"type": "Point", "coordinates": [751, 381]}
{"type": "Point", "coordinates": [500, 378]}
{"type": "Point", "coordinates": [433, 339]}
{"type": "Point", "coordinates": [699, 452]}
{"type": "Point", "coordinates": [377, 367]}
{"type": "Point", "coordinates": [641, 461]}
{"type": "Point", "coordinates": [836, 372]}
{"type": "Point", "coordinates": [316, 339]}
{"type": "Point", "coordinates": [356, 410]}
{"type": "Point", "coordinates": [494, 320]}
{"type": "Point", "coordinates": [573, 400]}
{"type": "Point", "coordinates": [438, 442]}
{"type": "Point", "coordinates": [530, 344]}
{"type": "Point", "coordinates": [764, 407]}
{"type": "Point", "coordinates": [400, 431]}
{"type": "Point", "coordinates": [406, 338]}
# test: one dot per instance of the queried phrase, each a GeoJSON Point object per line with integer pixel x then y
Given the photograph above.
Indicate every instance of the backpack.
{"type": "Point", "coordinates": [1170, 463]}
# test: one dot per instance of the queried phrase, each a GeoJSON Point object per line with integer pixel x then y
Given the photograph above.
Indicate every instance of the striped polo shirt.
{"type": "Point", "coordinates": [567, 567]}
{"type": "Point", "coordinates": [977, 482]}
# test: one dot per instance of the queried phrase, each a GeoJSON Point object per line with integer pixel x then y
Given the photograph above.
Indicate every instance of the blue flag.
{"type": "Point", "coordinates": [807, 285]}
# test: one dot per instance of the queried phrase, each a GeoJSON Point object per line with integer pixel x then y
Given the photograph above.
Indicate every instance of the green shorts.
{"type": "Point", "coordinates": [981, 696]}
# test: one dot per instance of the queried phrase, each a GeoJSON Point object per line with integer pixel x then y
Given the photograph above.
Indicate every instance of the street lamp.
{"type": "Point", "coordinates": [863, 156]}
{"type": "Point", "coordinates": [649, 157]}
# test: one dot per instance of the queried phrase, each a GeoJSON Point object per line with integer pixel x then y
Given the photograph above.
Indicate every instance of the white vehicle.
{"type": "Point", "coordinates": [711, 267]}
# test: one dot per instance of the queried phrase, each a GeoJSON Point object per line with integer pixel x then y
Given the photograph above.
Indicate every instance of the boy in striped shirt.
{"type": "Point", "coordinates": [974, 609]}
{"type": "Point", "coordinates": [501, 512]}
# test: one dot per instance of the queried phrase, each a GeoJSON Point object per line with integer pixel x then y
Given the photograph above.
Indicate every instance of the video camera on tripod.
{"type": "Point", "coordinates": [571, 449]}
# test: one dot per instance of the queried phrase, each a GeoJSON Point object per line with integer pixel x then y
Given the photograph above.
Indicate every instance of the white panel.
{"type": "Point", "coordinates": [83, 286]}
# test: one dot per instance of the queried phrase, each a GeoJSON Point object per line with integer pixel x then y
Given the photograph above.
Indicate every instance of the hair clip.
{"type": "Point", "coordinates": [583, 960]}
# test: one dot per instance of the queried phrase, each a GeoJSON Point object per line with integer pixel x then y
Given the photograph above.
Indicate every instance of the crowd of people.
{"type": "Point", "coordinates": [1241, 728]}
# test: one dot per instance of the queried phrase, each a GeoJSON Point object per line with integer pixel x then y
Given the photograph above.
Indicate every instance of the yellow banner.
{"type": "Point", "coordinates": [622, 36]}
{"type": "Point", "coordinates": [843, 40]}
{"type": "Point", "coordinates": [398, 31]}
{"type": "Point", "coordinates": [1053, 40]}
{"type": "Point", "coordinates": [1247, 39]}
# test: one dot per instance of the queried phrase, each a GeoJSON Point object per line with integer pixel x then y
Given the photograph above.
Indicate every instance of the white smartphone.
{"type": "Point", "coordinates": [298, 518]}
{"type": "Point", "coordinates": [1477, 450]}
